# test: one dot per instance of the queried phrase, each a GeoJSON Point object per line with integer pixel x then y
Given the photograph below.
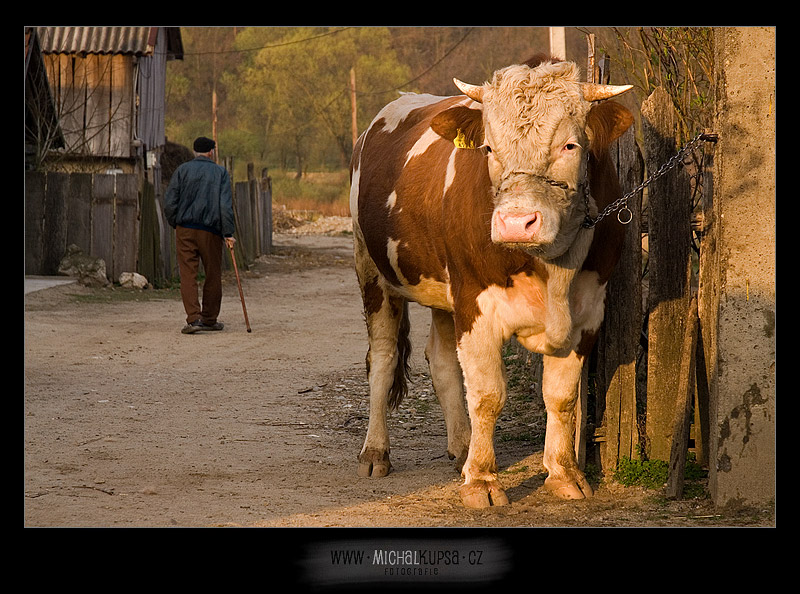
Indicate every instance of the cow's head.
{"type": "Point", "coordinates": [536, 125]}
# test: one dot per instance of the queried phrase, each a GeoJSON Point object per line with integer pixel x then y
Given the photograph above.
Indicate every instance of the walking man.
{"type": "Point", "coordinates": [199, 206]}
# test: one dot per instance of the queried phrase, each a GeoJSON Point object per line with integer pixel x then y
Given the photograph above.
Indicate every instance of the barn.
{"type": "Point", "coordinates": [107, 92]}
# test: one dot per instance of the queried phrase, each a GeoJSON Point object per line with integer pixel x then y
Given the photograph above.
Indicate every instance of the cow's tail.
{"type": "Point", "coordinates": [402, 371]}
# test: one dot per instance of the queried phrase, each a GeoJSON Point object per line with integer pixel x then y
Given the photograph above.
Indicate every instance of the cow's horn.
{"type": "Point", "coordinates": [595, 92]}
{"type": "Point", "coordinates": [474, 92]}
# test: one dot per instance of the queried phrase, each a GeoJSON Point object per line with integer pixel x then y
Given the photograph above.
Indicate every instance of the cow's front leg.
{"type": "Point", "coordinates": [480, 354]}
{"type": "Point", "coordinates": [560, 390]}
{"type": "Point", "coordinates": [448, 383]}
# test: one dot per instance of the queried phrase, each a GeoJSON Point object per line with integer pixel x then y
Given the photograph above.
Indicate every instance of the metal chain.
{"type": "Point", "coordinates": [621, 204]}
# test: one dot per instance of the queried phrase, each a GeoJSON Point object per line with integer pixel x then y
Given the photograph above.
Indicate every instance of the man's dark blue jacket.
{"type": "Point", "coordinates": [199, 197]}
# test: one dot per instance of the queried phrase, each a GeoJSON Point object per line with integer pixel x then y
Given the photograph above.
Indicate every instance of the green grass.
{"type": "Point", "coordinates": [119, 295]}
{"type": "Point", "coordinates": [650, 474]}
{"type": "Point", "coordinates": [653, 474]}
{"type": "Point", "coordinates": [325, 192]}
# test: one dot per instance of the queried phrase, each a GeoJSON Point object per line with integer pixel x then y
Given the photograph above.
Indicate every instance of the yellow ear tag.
{"type": "Point", "coordinates": [461, 142]}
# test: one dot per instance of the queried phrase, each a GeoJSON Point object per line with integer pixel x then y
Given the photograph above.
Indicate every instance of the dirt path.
{"type": "Point", "coordinates": [130, 423]}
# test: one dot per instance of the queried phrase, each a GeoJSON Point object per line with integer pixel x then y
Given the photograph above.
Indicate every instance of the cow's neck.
{"type": "Point", "coordinates": [561, 272]}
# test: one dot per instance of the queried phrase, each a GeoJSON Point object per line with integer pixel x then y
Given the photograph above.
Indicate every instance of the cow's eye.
{"type": "Point", "coordinates": [571, 146]}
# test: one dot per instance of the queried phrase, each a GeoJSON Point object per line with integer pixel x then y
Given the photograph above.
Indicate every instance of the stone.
{"type": "Point", "coordinates": [90, 272]}
{"type": "Point", "coordinates": [133, 280]}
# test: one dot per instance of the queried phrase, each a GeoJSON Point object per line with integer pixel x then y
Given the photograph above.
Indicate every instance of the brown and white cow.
{"type": "Point", "coordinates": [473, 206]}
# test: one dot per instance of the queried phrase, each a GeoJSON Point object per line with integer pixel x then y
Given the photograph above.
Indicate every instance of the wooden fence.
{"type": "Point", "coordinates": [252, 201]}
{"type": "Point", "coordinates": [110, 217]}
{"type": "Point", "coordinates": [98, 213]}
{"type": "Point", "coordinates": [644, 397]}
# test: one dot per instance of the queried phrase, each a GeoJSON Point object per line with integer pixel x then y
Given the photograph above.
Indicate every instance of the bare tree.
{"type": "Point", "coordinates": [94, 116]}
{"type": "Point", "coordinates": [678, 59]}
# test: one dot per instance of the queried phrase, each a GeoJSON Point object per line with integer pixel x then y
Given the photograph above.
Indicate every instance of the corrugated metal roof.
{"type": "Point", "coordinates": [97, 40]}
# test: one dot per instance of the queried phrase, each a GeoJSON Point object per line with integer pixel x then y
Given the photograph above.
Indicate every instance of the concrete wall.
{"type": "Point", "coordinates": [743, 406]}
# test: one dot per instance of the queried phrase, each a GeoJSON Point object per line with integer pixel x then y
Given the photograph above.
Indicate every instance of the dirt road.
{"type": "Point", "coordinates": [129, 423]}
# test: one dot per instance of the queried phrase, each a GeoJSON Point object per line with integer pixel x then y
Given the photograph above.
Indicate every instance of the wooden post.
{"type": "Point", "coordinates": [265, 192]}
{"type": "Point", "coordinates": [591, 65]}
{"type": "Point", "coordinates": [707, 305]}
{"type": "Point", "coordinates": [214, 122]}
{"type": "Point", "coordinates": [581, 411]}
{"type": "Point", "coordinates": [558, 43]}
{"type": "Point", "coordinates": [619, 338]}
{"type": "Point", "coordinates": [582, 403]}
{"type": "Point", "coordinates": [353, 110]}
{"type": "Point", "coordinates": [669, 240]}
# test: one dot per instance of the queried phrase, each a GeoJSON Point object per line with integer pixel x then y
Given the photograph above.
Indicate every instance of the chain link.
{"type": "Point", "coordinates": [621, 204]}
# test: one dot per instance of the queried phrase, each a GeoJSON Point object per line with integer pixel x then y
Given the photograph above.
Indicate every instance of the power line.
{"type": "Point", "coordinates": [328, 33]}
{"type": "Point", "coordinates": [345, 90]}
{"type": "Point", "coordinates": [424, 72]}
{"type": "Point", "coordinates": [269, 46]}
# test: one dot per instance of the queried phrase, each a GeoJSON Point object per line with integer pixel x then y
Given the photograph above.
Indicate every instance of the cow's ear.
{"type": "Point", "coordinates": [460, 125]}
{"type": "Point", "coordinates": [606, 122]}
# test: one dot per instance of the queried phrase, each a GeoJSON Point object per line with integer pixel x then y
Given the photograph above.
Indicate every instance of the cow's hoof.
{"type": "Point", "coordinates": [374, 463]}
{"type": "Point", "coordinates": [482, 494]}
{"type": "Point", "coordinates": [578, 488]}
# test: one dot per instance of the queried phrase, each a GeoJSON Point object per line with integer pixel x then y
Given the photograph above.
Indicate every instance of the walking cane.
{"type": "Point", "coordinates": [239, 283]}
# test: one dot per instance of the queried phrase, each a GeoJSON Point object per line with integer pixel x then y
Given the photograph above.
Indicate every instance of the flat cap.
{"type": "Point", "coordinates": [204, 145]}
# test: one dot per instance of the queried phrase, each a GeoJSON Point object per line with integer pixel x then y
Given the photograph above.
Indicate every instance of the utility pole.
{"type": "Point", "coordinates": [214, 121]}
{"type": "Point", "coordinates": [354, 112]}
{"type": "Point", "coordinates": [558, 43]}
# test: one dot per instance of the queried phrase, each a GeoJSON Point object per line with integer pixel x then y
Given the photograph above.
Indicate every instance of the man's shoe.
{"type": "Point", "coordinates": [214, 326]}
{"type": "Point", "coordinates": [192, 328]}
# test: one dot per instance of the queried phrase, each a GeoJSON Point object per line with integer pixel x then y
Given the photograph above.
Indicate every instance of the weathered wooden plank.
{"type": "Point", "coordinates": [67, 77]}
{"type": "Point", "coordinates": [707, 306]}
{"type": "Point", "coordinates": [623, 320]}
{"type": "Point", "coordinates": [103, 220]}
{"type": "Point", "coordinates": [240, 233]}
{"type": "Point", "coordinates": [243, 221]}
{"type": "Point", "coordinates": [149, 258]}
{"type": "Point", "coordinates": [107, 84]}
{"type": "Point", "coordinates": [266, 219]}
{"type": "Point", "coordinates": [126, 223]}
{"type": "Point", "coordinates": [581, 413]}
{"type": "Point", "coordinates": [54, 231]}
{"type": "Point", "coordinates": [79, 211]}
{"type": "Point", "coordinates": [121, 108]}
{"type": "Point", "coordinates": [255, 222]}
{"type": "Point", "coordinates": [96, 116]}
{"type": "Point", "coordinates": [684, 398]}
{"type": "Point", "coordinates": [34, 221]}
{"type": "Point", "coordinates": [669, 270]}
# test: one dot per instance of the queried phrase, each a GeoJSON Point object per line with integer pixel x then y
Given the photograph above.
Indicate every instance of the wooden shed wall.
{"type": "Point", "coordinates": [94, 96]}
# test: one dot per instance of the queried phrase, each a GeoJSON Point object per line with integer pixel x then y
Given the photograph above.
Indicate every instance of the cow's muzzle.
{"type": "Point", "coordinates": [529, 210]}
{"type": "Point", "coordinates": [516, 228]}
